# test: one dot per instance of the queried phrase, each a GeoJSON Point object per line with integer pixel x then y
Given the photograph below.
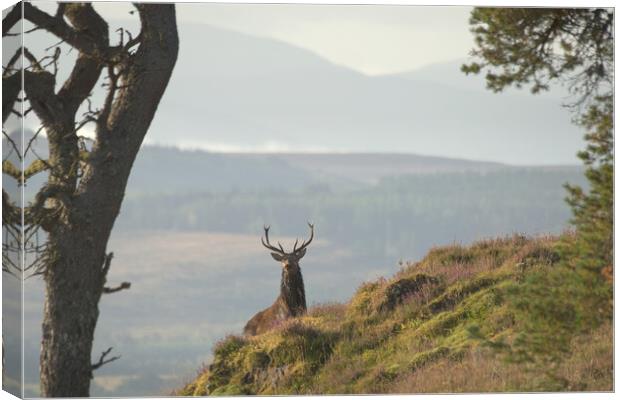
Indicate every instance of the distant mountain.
{"type": "Point", "coordinates": [232, 91]}
{"type": "Point", "coordinates": [371, 167]}
{"type": "Point", "coordinates": [245, 92]}
{"type": "Point", "coordinates": [170, 170]}
{"type": "Point", "coordinates": [449, 74]}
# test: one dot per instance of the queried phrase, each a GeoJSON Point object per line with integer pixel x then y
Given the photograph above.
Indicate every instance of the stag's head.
{"type": "Point", "coordinates": [291, 259]}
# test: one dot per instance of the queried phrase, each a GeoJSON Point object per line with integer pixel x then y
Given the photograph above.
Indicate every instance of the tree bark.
{"type": "Point", "coordinates": [73, 289]}
{"type": "Point", "coordinates": [76, 276]}
{"type": "Point", "coordinates": [82, 198]}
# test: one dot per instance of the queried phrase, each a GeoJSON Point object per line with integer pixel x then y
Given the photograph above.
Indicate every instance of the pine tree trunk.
{"type": "Point", "coordinates": [73, 288]}
{"type": "Point", "coordinates": [79, 204]}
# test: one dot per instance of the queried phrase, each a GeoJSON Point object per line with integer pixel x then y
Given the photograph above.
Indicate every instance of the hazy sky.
{"type": "Point", "coordinates": [370, 39]}
{"type": "Point", "coordinates": [282, 77]}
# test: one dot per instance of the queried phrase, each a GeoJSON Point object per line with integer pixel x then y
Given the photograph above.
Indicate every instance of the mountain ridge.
{"type": "Point", "coordinates": [303, 101]}
{"type": "Point", "coordinates": [241, 91]}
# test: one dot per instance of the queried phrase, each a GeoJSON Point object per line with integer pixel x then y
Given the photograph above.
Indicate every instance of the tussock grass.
{"type": "Point", "coordinates": [463, 319]}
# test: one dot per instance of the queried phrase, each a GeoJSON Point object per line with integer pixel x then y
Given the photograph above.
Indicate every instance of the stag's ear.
{"type": "Point", "coordinates": [277, 257]}
{"type": "Point", "coordinates": [300, 253]}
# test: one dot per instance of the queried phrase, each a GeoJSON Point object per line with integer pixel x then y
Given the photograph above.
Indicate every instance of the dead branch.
{"type": "Point", "coordinates": [122, 286]}
{"type": "Point", "coordinates": [60, 10]}
{"type": "Point", "coordinates": [57, 25]}
{"type": "Point", "coordinates": [107, 104]}
{"type": "Point", "coordinates": [32, 139]}
{"type": "Point", "coordinates": [11, 86]}
{"type": "Point", "coordinates": [54, 45]}
{"type": "Point", "coordinates": [107, 260]}
{"type": "Point", "coordinates": [9, 66]}
{"type": "Point", "coordinates": [33, 60]}
{"type": "Point", "coordinates": [103, 361]}
{"type": "Point", "coordinates": [13, 145]}
{"type": "Point", "coordinates": [11, 19]}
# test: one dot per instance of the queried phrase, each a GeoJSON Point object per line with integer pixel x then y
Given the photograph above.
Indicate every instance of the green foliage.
{"type": "Point", "coordinates": [593, 211]}
{"type": "Point", "coordinates": [551, 303]}
{"type": "Point", "coordinates": [537, 46]}
{"type": "Point", "coordinates": [513, 294]}
{"type": "Point", "coordinates": [458, 292]}
{"type": "Point", "coordinates": [551, 307]}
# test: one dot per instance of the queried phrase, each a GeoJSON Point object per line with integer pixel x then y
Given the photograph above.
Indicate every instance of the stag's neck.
{"type": "Point", "coordinates": [292, 291]}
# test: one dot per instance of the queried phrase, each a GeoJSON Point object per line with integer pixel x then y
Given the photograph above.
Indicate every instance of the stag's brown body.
{"type": "Point", "coordinates": [292, 299]}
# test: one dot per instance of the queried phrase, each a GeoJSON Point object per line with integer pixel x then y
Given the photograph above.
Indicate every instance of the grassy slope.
{"type": "Point", "coordinates": [425, 330]}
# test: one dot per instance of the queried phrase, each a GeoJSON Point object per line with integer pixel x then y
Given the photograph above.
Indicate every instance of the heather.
{"type": "Point", "coordinates": [508, 314]}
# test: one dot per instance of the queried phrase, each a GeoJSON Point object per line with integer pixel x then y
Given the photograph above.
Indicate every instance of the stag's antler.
{"type": "Point", "coordinates": [280, 250]}
{"type": "Point", "coordinates": [269, 245]}
{"type": "Point", "coordinates": [305, 244]}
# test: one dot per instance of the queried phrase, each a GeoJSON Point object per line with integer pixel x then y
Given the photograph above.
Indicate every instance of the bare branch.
{"type": "Point", "coordinates": [107, 104]}
{"type": "Point", "coordinates": [54, 45]}
{"type": "Point", "coordinates": [107, 260]}
{"type": "Point", "coordinates": [13, 146]}
{"type": "Point", "coordinates": [87, 120]}
{"type": "Point", "coordinates": [54, 60]}
{"type": "Point", "coordinates": [60, 10]}
{"type": "Point", "coordinates": [11, 19]}
{"type": "Point", "coordinates": [12, 240]}
{"type": "Point", "coordinates": [11, 86]}
{"type": "Point", "coordinates": [33, 60]}
{"type": "Point", "coordinates": [9, 66]}
{"type": "Point", "coordinates": [122, 286]}
{"type": "Point", "coordinates": [36, 28]}
{"type": "Point", "coordinates": [57, 26]}
{"type": "Point", "coordinates": [103, 361]}
{"type": "Point", "coordinates": [81, 82]}
{"type": "Point", "coordinates": [39, 87]}
{"type": "Point", "coordinates": [33, 139]}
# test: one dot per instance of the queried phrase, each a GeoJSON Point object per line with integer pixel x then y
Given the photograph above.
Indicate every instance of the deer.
{"type": "Point", "coordinates": [292, 299]}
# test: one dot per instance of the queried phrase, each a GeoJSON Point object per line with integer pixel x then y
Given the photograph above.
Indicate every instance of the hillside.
{"type": "Point", "coordinates": [220, 172]}
{"type": "Point", "coordinates": [500, 315]}
{"type": "Point", "coordinates": [204, 171]}
{"type": "Point", "coordinates": [191, 223]}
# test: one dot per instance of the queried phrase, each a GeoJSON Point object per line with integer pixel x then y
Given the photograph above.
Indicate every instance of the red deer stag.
{"type": "Point", "coordinates": [292, 299]}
